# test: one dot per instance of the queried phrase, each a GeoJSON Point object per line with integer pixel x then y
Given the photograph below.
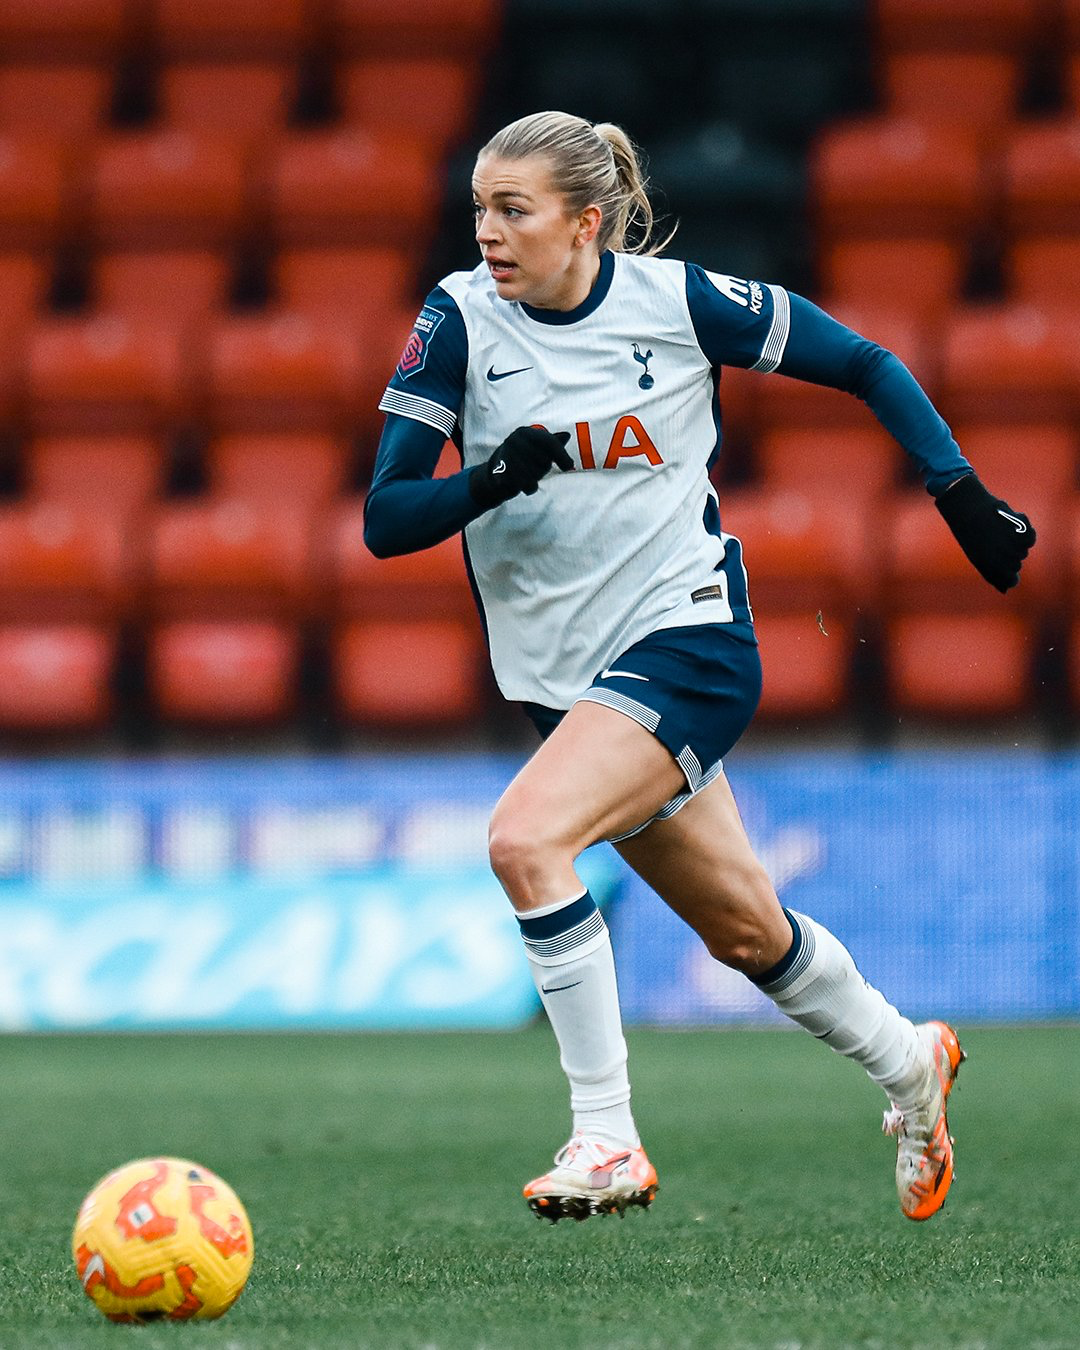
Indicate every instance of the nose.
{"type": "Point", "coordinates": [485, 228]}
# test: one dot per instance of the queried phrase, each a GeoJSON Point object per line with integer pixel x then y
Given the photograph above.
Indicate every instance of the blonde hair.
{"type": "Point", "coordinates": [591, 165]}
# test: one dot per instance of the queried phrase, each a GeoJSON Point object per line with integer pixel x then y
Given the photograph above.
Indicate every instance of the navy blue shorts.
{"type": "Point", "coordinates": [694, 688]}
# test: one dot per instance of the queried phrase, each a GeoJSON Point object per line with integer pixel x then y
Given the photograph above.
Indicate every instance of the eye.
{"type": "Point", "coordinates": [513, 211]}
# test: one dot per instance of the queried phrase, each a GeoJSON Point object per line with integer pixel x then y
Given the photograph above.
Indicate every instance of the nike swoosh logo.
{"type": "Point", "coordinates": [622, 675]}
{"type": "Point", "coordinates": [555, 988]}
{"type": "Point", "coordinates": [1021, 528]}
{"type": "Point", "coordinates": [500, 467]}
{"type": "Point", "coordinates": [494, 374]}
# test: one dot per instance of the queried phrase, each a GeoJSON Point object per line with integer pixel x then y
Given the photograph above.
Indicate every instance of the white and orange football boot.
{"type": "Point", "coordinates": [924, 1147]}
{"type": "Point", "coordinates": [592, 1178]}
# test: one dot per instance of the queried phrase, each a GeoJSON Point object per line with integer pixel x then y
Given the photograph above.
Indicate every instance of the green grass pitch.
{"type": "Point", "coordinates": [382, 1175]}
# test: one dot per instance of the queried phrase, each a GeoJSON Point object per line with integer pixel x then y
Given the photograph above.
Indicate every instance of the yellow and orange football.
{"type": "Point", "coordinates": [162, 1238]}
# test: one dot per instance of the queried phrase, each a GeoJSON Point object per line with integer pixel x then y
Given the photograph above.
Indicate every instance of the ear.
{"type": "Point", "coordinates": [588, 226]}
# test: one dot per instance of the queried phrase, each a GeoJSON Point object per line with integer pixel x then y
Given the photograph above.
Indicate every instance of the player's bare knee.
{"type": "Point", "coordinates": [743, 934]}
{"type": "Point", "coordinates": [517, 851]}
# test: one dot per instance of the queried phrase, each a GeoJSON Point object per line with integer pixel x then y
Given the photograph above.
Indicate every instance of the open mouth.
{"type": "Point", "coordinates": [499, 269]}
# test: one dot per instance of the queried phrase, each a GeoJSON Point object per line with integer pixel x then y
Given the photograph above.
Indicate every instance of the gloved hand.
{"type": "Point", "coordinates": [518, 465]}
{"type": "Point", "coordinates": [995, 538]}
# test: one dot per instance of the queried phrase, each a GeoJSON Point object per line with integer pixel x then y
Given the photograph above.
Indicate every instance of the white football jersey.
{"type": "Point", "coordinates": [629, 541]}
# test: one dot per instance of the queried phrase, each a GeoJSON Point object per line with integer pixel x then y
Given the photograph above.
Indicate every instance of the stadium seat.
{"type": "Point", "coordinates": [163, 189]}
{"type": "Point", "coordinates": [308, 470]}
{"type": "Point", "coordinates": [216, 674]}
{"type": "Point", "coordinates": [959, 665]}
{"type": "Point", "coordinates": [1041, 458]}
{"type": "Point", "coordinates": [346, 188]}
{"type": "Point", "coordinates": [1041, 178]}
{"type": "Point", "coordinates": [1012, 363]}
{"type": "Point", "coordinates": [238, 99]}
{"type": "Point", "coordinates": [63, 562]}
{"type": "Point", "coordinates": [283, 371]}
{"type": "Point", "coordinates": [62, 30]}
{"type": "Point", "coordinates": [919, 279]}
{"type": "Point", "coordinates": [178, 287]}
{"type": "Point", "coordinates": [794, 403]}
{"type": "Point", "coordinates": [65, 102]}
{"type": "Point", "coordinates": [1044, 272]}
{"type": "Point", "coordinates": [803, 554]}
{"type": "Point", "coordinates": [230, 558]}
{"type": "Point", "coordinates": [856, 465]}
{"type": "Point", "coordinates": [431, 584]}
{"type": "Point", "coordinates": [24, 284]}
{"type": "Point", "coordinates": [34, 191]}
{"type": "Point", "coordinates": [967, 25]}
{"type": "Point", "coordinates": [55, 677]}
{"type": "Point", "coordinates": [105, 373]}
{"type": "Point", "coordinates": [806, 665]}
{"type": "Point", "coordinates": [383, 95]}
{"type": "Point", "coordinates": [885, 177]}
{"type": "Point", "coordinates": [441, 28]}
{"type": "Point", "coordinates": [113, 474]}
{"type": "Point", "coordinates": [357, 287]}
{"type": "Point", "coordinates": [409, 673]}
{"type": "Point", "coordinates": [969, 89]}
{"type": "Point", "coordinates": [241, 29]}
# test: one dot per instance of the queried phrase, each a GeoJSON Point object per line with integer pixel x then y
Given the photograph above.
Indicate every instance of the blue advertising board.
{"type": "Point", "coordinates": [355, 892]}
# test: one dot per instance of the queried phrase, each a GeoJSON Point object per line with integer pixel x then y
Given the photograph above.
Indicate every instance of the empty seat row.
{"type": "Point", "coordinates": [243, 100]}
{"type": "Point", "coordinates": [104, 29]}
{"type": "Point", "coordinates": [1007, 26]}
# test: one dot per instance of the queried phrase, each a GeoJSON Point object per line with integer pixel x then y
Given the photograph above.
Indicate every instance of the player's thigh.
{"type": "Point", "coordinates": [701, 863]}
{"type": "Point", "coordinates": [598, 774]}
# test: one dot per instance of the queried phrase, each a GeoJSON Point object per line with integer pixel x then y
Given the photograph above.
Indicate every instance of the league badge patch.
{"type": "Point", "coordinates": [415, 352]}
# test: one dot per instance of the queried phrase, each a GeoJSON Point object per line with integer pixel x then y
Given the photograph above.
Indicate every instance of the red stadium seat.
{"type": "Point", "coordinates": [430, 584]}
{"type": "Point", "coordinates": [853, 464]}
{"type": "Point", "coordinates": [55, 677]}
{"type": "Point", "coordinates": [283, 371]}
{"type": "Point", "coordinates": [806, 665]}
{"type": "Point", "coordinates": [179, 287]}
{"type": "Point", "coordinates": [305, 469]}
{"type": "Point", "coordinates": [971, 89]}
{"type": "Point", "coordinates": [383, 94]}
{"type": "Point", "coordinates": [795, 403]}
{"type": "Point", "coordinates": [1019, 460]}
{"type": "Point", "coordinates": [62, 30]}
{"type": "Point", "coordinates": [966, 25]}
{"type": "Point", "coordinates": [63, 562]}
{"type": "Point", "coordinates": [246, 100]}
{"type": "Point", "coordinates": [1044, 272]}
{"type": "Point", "coordinates": [167, 189]}
{"type": "Point", "coordinates": [959, 665]}
{"type": "Point", "coordinates": [1041, 178]}
{"type": "Point", "coordinates": [230, 558]}
{"type": "Point", "coordinates": [409, 672]}
{"type": "Point", "coordinates": [919, 279]}
{"type": "Point", "coordinates": [803, 554]}
{"type": "Point", "coordinates": [465, 28]}
{"type": "Point", "coordinates": [223, 673]}
{"type": "Point", "coordinates": [1012, 363]}
{"type": "Point", "coordinates": [105, 373]}
{"type": "Point", "coordinates": [1070, 16]}
{"type": "Point", "coordinates": [115, 474]}
{"type": "Point", "coordinates": [347, 188]}
{"type": "Point", "coordinates": [60, 101]}
{"type": "Point", "coordinates": [24, 284]}
{"type": "Point", "coordinates": [357, 287]}
{"type": "Point", "coordinates": [34, 191]}
{"type": "Point", "coordinates": [210, 30]}
{"type": "Point", "coordinates": [886, 177]}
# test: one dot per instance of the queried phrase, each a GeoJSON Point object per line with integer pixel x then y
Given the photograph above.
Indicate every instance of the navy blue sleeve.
{"type": "Point", "coordinates": [742, 323]}
{"type": "Point", "coordinates": [406, 508]}
{"type": "Point", "coordinates": [823, 351]}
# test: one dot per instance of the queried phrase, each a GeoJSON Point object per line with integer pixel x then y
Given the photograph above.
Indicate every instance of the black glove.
{"type": "Point", "coordinates": [518, 465]}
{"type": "Point", "coordinates": [995, 537]}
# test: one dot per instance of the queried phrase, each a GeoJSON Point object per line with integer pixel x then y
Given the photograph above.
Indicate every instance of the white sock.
{"type": "Point", "coordinates": [818, 985]}
{"type": "Point", "coordinates": [569, 951]}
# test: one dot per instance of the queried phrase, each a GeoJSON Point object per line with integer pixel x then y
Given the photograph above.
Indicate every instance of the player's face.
{"type": "Point", "coordinates": [535, 249]}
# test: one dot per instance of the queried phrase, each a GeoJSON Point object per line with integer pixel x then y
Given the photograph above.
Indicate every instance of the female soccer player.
{"type": "Point", "coordinates": [616, 609]}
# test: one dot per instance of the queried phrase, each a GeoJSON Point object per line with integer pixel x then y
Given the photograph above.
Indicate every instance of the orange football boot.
{"type": "Point", "coordinates": [924, 1147]}
{"type": "Point", "coordinates": [592, 1178]}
